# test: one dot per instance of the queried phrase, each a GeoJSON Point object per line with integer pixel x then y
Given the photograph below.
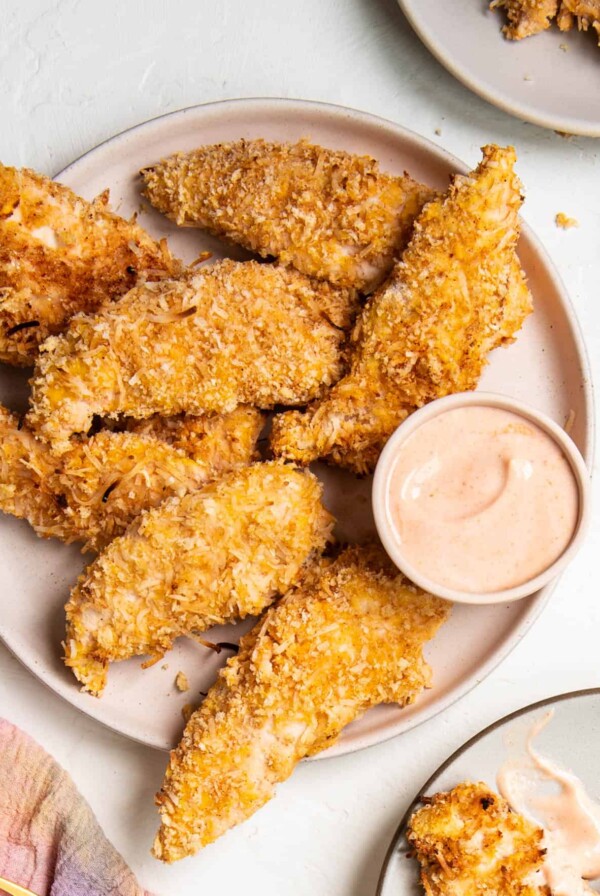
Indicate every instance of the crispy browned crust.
{"type": "Point", "coordinates": [26, 466]}
{"type": "Point", "coordinates": [233, 333]}
{"type": "Point", "coordinates": [583, 13]}
{"type": "Point", "coordinates": [347, 638]}
{"type": "Point", "coordinates": [526, 17]}
{"type": "Point", "coordinates": [214, 556]}
{"type": "Point", "coordinates": [97, 488]}
{"type": "Point", "coordinates": [332, 215]}
{"type": "Point", "coordinates": [470, 843]}
{"type": "Point", "coordinates": [457, 293]}
{"type": "Point", "coordinates": [59, 255]}
{"type": "Point", "coordinates": [216, 440]}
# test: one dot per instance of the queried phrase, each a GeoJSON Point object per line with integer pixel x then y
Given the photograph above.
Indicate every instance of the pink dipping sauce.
{"type": "Point", "coordinates": [482, 499]}
{"type": "Point", "coordinates": [571, 819]}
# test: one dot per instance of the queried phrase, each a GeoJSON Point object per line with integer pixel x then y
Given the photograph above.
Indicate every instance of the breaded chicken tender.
{"type": "Point", "coordinates": [234, 333]}
{"type": "Point", "coordinates": [349, 637]}
{"type": "Point", "coordinates": [213, 556]}
{"type": "Point", "coordinates": [457, 293]}
{"type": "Point", "coordinates": [526, 17]}
{"type": "Point", "coordinates": [100, 485]}
{"type": "Point", "coordinates": [583, 13]}
{"type": "Point", "coordinates": [26, 466]}
{"type": "Point", "coordinates": [469, 842]}
{"type": "Point", "coordinates": [217, 441]}
{"type": "Point", "coordinates": [59, 255]}
{"type": "Point", "coordinates": [331, 215]}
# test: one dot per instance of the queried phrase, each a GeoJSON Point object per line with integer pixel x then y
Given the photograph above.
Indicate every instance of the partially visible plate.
{"type": "Point", "coordinates": [547, 366]}
{"type": "Point", "coordinates": [551, 79]}
{"type": "Point", "coordinates": [481, 757]}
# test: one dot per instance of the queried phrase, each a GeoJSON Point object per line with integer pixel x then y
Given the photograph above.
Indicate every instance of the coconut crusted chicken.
{"type": "Point", "coordinates": [94, 490]}
{"type": "Point", "coordinates": [234, 333]}
{"type": "Point", "coordinates": [214, 556]}
{"type": "Point", "coordinates": [349, 637]}
{"type": "Point", "coordinates": [331, 215]}
{"type": "Point", "coordinates": [469, 842]}
{"type": "Point", "coordinates": [220, 442]}
{"type": "Point", "coordinates": [582, 13]}
{"type": "Point", "coordinates": [527, 17]}
{"type": "Point", "coordinates": [59, 255]}
{"type": "Point", "coordinates": [457, 293]}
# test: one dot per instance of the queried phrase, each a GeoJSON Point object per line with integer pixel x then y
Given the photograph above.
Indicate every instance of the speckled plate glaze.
{"type": "Point", "coordinates": [481, 758]}
{"type": "Point", "coordinates": [547, 367]}
{"type": "Point", "coordinates": [550, 79]}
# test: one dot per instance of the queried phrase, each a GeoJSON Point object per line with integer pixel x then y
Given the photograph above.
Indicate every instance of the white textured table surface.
{"type": "Point", "coordinates": [72, 74]}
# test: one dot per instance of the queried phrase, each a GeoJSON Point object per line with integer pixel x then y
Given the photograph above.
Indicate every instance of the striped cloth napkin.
{"type": "Point", "coordinates": [50, 841]}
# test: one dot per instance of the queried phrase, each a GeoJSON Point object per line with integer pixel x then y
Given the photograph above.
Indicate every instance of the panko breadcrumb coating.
{"type": "Point", "coordinates": [347, 638]}
{"type": "Point", "coordinates": [565, 222]}
{"type": "Point", "coordinates": [330, 214]}
{"type": "Point", "coordinates": [234, 333]}
{"type": "Point", "coordinates": [526, 17]}
{"type": "Point", "coordinates": [218, 441]}
{"type": "Point", "coordinates": [457, 293]}
{"type": "Point", "coordinates": [59, 255]}
{"type": "Point", "coordinates": [92, 492]}
{"type": "Point", "coordinates": [26, 466]}
{"type": "Point", "coordinates": [211, 557]}
{"type": "Point", "coordinates": [582, 13]}
{"type": "Point", "coordinates": [469, 843]}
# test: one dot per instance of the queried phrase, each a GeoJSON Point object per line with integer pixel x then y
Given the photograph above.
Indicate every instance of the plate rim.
{"type": "Point", "coordinates": [532, 614]}
{"type": "Point", "coordinates": [515, 714]}
{"type": "Point", "coordinates": [523, 111]}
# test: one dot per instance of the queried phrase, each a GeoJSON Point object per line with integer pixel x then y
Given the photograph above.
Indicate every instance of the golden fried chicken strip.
{"type": "Point", "coordinates": [582, 12]}
{"type": "Point", "coordinates": [457, 293]}
{"type": "Point", "coordinates": [469, 842]}
{"type": "Point", "coordinates": [26, 466]}
{"type": "Point", "coordinates": [349, 637]}
{"type": "Point", "coordinates": [217, 441]}
{"type": "Point", "coordinates": [526, 17]}
{"type": "Point", "coordinates": [59, 255]}
{"type": "Point", "coordinates": [108, 480]}
{"type": "Point", "coordinates": [234, 333]}
{"type": "Point", "coordinates": [100, 485]}
{"type": "Point", "coordinates": [213, 556]}
{"type": "Point", "coordinates": [331, 215]}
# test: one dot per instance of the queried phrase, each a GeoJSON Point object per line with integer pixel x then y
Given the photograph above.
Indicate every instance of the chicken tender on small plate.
{"type": "Point", "coordinates": [214, 556]}
{"type": "Point", "coordinates": [457, 293]}
{"type": "Point", "coordinates": [347, 638]}
{"type": "Point", "coordinates": [526, 17]}
{"type": "Point", "coordinates": [330, 214]}
{"type": "Point", "coordinates": [582, 13]}
{"type": "Point", "coordinates": [470, 843]}
{"type": "Point", "coordinates": [233, 333]}
{"type": "Point", "coordinates": [60, 254]}
{"type": "Point", "coordinates": [93, 491]}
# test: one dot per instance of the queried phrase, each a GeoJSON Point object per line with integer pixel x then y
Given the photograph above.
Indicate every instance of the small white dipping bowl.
{"type": "Point", "coordinates": [382, 493]}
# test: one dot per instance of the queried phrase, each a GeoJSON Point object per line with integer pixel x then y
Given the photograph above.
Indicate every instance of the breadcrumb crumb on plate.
{"type": "Point", "coordinates": [546, 366]}
{"type": "Point", "coordinates": [565, 222]}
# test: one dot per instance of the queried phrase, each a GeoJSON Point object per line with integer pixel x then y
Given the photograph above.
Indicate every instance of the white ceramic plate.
{"type": "Point", "coordinates": [546, 366]}
{"type": "Point", "coordinates": [481, 758]}
{"type": "Point", "coordinates": [535, 79]}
